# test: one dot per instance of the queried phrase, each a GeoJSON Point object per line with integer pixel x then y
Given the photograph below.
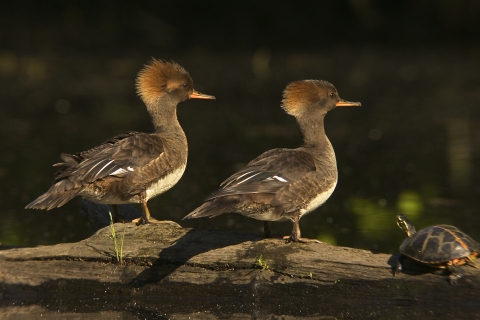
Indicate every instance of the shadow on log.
{"type": "Point", "coordinates": [174, 272]}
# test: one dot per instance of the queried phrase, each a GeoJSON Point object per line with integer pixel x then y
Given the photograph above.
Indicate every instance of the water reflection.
{"type": "Point", "coordinates": [459, 151]}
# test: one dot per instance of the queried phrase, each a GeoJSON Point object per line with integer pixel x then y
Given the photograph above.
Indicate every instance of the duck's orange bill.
{"type": "Point", "coordinates": [344, 103]}
{"type": "Point", "coordinates": [198, 95]}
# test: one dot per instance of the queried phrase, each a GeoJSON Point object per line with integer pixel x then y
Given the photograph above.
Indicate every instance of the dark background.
{"type": "Point", "coordinates": [67, 74]}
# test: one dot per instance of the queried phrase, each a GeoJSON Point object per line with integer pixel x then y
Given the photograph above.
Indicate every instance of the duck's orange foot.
{"type": "Point", "coordinates": [301, 240]}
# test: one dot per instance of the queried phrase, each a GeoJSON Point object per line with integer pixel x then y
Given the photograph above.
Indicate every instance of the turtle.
{"type": "Point", "coordinates": [439, 246]}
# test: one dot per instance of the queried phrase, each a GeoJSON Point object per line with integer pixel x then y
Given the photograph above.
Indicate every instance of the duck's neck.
{"type": "Point", "coordinates": [163, 112]}
{"type": "Point", "coordinates": [313, 133]}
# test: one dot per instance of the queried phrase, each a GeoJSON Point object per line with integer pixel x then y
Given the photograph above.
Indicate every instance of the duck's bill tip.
{"type": "Point", "coordinates": [344, 103]}
{"type": "Point", "coordinates": [198, 95]}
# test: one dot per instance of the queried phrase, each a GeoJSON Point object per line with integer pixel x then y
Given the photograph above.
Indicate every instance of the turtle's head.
{"type": "Point", "coordinates": [405, 225]}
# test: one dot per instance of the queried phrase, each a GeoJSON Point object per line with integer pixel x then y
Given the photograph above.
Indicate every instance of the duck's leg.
{"type": "Point", "coordinates": [295, 236]}
{"type": "Point", "coordinates": [267, 232]}
{"type": "Point", "coordinates": [116, 214]}
{"type": "Point", "coordinates": [146, 217]}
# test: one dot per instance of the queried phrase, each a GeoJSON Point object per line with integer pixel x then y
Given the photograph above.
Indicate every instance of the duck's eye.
{"type": "Point", "coordinates": [331, 94]}
{"type": "Point", "coordinates": [185, 85]}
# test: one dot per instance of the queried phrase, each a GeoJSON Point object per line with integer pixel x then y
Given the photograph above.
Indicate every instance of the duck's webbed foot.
{"type": "Point", "coordinates": [146, 218]}
{"type": "Point", "coordinates": [143, 220]}
{"type": "Point", "coordinates": [291, 238]}
{"type": "Point", "coordinates": [295, 236]}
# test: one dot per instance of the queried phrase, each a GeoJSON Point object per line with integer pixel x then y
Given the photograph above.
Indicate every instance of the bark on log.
{"type": "Point", "coordinates": [174, 272]}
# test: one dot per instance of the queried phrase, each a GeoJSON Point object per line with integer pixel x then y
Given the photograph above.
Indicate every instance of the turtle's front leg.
{"type": "Point", "coordinates": [455, 273]}
{"type": "Point", "coordinates": [399, 266]}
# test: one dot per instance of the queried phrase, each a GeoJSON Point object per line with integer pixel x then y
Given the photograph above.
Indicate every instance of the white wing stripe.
{"type": "Point", "coordinates": [256, 174]}
{"type": "Point", "coordinates": [243, 175]}
{"type": "Point", "coordinates": [280, 179]}
{"type": "Point", "coordinates": [121, 172]}
{"type": "Point", "coordinates": [102, 169]}
{"type": "Point", "coordinates": [118, 172]}
{"type": "Point", "coordinates": [94, 167]}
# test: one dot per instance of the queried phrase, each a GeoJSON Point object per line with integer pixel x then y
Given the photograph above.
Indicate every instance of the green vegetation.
{"type": "Point", "coordinates": [113, 235]}
{"type": "Point", "coordinates": [261, 263]}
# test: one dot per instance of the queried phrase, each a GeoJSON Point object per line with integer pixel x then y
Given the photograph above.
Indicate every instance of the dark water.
{"type": "Point", "coordinates": [411, 147]}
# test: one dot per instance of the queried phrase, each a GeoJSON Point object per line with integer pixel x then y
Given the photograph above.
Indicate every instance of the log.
{"type": "Point", "coordinates": [174, 272]}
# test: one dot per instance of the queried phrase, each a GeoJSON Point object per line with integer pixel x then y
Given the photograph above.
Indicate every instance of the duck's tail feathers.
{"type": "Point", "coordinates": [50, 200]}
{"type": "Point", "coordinates": [212, 209]}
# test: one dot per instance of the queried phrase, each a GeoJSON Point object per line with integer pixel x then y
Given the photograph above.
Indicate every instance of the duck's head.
{"type": "Point", "coordinates": [160, 79]}
{"type": "Point", "coordinates": [310, 97]}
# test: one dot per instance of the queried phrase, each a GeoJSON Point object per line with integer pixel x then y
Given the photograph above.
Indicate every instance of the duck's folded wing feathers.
{"type": "Point", "coordinates": [71, 161]}
{"type": "Point", "coordinates": [268, 173]}
{"type": "Point", "coordinates": [119, 157]}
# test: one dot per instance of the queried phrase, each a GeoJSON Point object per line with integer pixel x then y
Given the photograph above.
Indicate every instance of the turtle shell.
{"type": "Point", "coordinates": [439, 245]}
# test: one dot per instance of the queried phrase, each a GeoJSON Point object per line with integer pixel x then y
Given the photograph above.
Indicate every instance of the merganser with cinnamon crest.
{"type": "Point", "coordinates": [132, 167]}
{"type": "Point", "coordinates": [285, 184]}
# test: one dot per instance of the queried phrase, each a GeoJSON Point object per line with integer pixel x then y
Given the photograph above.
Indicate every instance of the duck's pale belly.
{"type": "Point", "coordinates": [318, 200]}
{"type": "Point", "coordinates": [155, 189]}
{"type": "Point", "coordinates": [166, 183]}
{"type": "Point", "coordinates": [269, 214]}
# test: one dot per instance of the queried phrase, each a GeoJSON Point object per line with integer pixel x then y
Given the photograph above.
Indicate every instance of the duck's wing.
{"type": "Point", "coordinates": [268, 173]}
{"type": "Point", "coordinates": [70, 162]}
{"type": "Point", "coordinates": [119, 157]}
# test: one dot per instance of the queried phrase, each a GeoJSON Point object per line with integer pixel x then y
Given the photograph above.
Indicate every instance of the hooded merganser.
{"type": "Point", "coordinates": [285, 184]}
{"type": "Point", "coordinates": [132, 167]}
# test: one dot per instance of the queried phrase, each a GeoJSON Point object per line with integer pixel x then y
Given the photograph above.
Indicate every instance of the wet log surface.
{"type": "Point", "coordinates": [174, 272]}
